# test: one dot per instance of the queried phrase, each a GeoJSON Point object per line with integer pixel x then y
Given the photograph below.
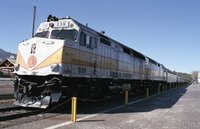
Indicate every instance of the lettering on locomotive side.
{"type": "Point", "coordinates": [81, 70]}
{"type": "Point", "coordinates": [115, 74]}
{"type": "Point", "coordinates": [67, 70]}
{"type": "Point", "coordinates": [119, 74]}
{"type": "Point", "coordinates": [127, 75]}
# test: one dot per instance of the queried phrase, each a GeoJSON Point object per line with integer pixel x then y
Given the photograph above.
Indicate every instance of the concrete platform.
{"type": "Point", "coordinates": [176, 109]}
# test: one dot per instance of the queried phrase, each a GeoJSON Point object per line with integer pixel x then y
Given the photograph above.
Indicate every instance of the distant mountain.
{"type": "Point", "coordinates": [4, 55]}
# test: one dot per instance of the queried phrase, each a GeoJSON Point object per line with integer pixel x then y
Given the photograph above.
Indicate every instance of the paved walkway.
{"type": "Point", "coordinates": [6, 86]}
{"type": "Point", "coordinates": [176, 109]}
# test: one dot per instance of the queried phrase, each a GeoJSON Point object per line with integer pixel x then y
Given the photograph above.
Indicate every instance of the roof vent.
{"type": "Point", "coordinates": [67, 17]}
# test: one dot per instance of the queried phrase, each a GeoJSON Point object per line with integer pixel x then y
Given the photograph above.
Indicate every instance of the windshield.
{"type": "Point", "coordinates": [43, 34]}
{"type": "Point", "coordinates": [64, 34]}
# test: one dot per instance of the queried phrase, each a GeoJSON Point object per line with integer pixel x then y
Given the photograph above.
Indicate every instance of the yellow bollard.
{"type": "Point", "coordinates": [147, 93]}
{"type": "Point", "coordinates": [126, 97]}
{"type": "Point", "coordinates": [74, 106]}
{"type": "Point", "coordinates": [158, 89]}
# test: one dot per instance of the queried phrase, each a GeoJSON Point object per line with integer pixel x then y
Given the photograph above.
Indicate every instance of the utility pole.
{"type": "Point", "coordinates": [33, 27]}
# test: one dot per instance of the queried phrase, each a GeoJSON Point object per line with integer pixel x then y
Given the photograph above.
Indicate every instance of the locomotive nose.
{"type": "Point", "coordinates": [39, 56]}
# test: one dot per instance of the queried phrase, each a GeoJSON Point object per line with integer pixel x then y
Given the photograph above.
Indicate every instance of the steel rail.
{"type": "Point", "coordinates": [11, 113]}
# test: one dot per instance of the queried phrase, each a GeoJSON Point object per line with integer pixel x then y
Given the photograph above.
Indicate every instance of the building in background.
{"type": "Point", "coordinates": [7, 67]}
{"type": "Point", "coordinates": [199, 77]}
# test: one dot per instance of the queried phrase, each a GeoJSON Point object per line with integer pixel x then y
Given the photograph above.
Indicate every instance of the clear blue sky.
{"type": "Point", "coordinates": [166, 30]}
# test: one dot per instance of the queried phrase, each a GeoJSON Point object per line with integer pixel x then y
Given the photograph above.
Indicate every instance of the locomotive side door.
{"type": "Point", "coordinates": [147, 69]}
{"type": "Point", "coordinates": [91, 44]}
{"type": "Point", "coordinates": [87, 54]}
{"type": "Point", "coordinates": [115, 64]}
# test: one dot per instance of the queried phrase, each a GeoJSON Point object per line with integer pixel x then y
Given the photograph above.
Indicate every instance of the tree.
{"type": "Point", "coordinates": [195, 76]}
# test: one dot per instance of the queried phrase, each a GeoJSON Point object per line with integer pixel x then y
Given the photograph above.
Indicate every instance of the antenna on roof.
{"type": "Point", "coordinates": [102, 32]}
{"type": "Point", "coordinates": [86, 24]}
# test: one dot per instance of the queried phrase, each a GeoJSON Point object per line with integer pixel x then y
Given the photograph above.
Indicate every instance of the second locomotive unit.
{"type": "Point", "coordinates": [67, 58]}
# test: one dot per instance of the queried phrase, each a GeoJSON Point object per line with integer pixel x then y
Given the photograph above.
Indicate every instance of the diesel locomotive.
{"type": "Point", "coordinates": [66, 58]}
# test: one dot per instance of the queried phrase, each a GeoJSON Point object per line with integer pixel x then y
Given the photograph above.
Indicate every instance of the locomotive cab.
{"type": "Point", "coordinates": [39, 64]}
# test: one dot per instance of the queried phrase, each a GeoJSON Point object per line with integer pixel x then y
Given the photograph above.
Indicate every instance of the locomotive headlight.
{"type": "Point", "coordinates": [55, 67]}
{"type": "Point", "coordinates": [51, 24]}
{"type": "Point", "coordinates": [16, 67]}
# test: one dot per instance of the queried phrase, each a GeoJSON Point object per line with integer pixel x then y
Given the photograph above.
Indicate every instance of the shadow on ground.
{"type": "Point", "coordinates": [161, 101]}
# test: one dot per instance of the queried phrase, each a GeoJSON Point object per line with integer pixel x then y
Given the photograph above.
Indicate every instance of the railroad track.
{"type": "Point", "coordinates": [3, 101]}
{"type": "Point", "coordinates": [6, 96]}
{"type": "Point", "coordinates": [10, 108]}
{"type": "Point", "coordinates": [14, 112]}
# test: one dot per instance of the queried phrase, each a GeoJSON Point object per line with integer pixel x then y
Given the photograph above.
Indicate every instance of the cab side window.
{"type": "Point", "coordinates": [93, 42]}
{"type": "Point", "coordinates": [88, 41]}
{"type": "Point", "coordinates": [83, 39]}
